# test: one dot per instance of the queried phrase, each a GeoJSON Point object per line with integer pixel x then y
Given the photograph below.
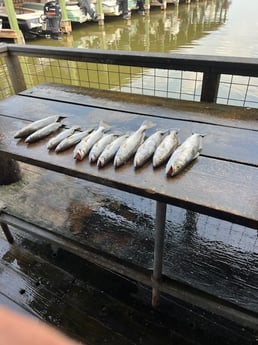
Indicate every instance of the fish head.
{"type": "Point", "coordinates": [100, 162]}
{"type": "Point", "coordinates": [117, 162]}
{"type": "Point", "coordinates": [173, 169]}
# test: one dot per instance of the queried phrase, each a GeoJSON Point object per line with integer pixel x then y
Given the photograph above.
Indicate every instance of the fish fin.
{"type": "Point", "coordinates": [104, 124]}
{"type": "Point", "coordinates": [76, 127]}
{"type": "Point", "coordinates": [197, 155]}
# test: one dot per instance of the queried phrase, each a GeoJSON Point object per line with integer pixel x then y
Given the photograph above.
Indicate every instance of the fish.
{"type": "Point", "coordinates": [43, 132]}
{"type": "Point", "coordinates": [189, 150]}
{"type": "Point", "coordinates": [52, 144]}
{"type": "Point", "coordinates": [111, 149]}
{"type": "Point", "coordinates": [165, 148]}
{"type": "Point", "coordinates": [83, 148]}
{"type": "Point", "coordinates": [100, 145]}
{"type": "Point", "coordinates": [72, 140]}
{"type": "Point", "coordinates": [147, 148]}
{"type": "Point", "coordinates": [36, 125]}
{"type": "Point", "coordinates": [131, 144]}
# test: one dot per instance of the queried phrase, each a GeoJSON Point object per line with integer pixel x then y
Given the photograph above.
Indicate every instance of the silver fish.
{"type": "Point", "coordinates": [147, 148]}
{"type": "Point", "coordinates": [184, 154]}
{"type": "Point", "coordinates": [43, 132]}
{"type": "Point", "coordinates": [72, 140]}
{"type": "Point", "coordinates": [100, 145]}
{"type": "Point", "coordinates": [111, 149]}
{"type": "Point", "coordinates": [58, 138]}
{"type": "Point", "coordinates": [165, 148]}
{"type": "Point", "coordinates": [131, 144]}
{"type": "Point", "coordinates": [82, 149]}
{"type": "Point", "coordinates": [36, 125]}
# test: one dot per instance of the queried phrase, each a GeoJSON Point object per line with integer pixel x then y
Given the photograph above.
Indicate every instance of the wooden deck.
{"type": "Point", "coordinates": [210, 255]}
{"type": "Point", "coordinates": [95, 305]}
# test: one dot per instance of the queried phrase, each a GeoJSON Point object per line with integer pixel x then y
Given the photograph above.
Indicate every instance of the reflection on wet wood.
{"type": "Point", "coordinates": [95, 306]}
{"type": "Point", "coordinates": [214, 256]}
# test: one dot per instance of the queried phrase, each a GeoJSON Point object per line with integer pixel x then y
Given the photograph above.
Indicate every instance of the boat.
{"type": "Point", "coordinates": [28, 21]}
{"type": "Point", "coordinates": [74, 12]}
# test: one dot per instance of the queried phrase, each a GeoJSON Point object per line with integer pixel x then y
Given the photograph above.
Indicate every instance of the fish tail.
{"type": "Point", "coordinates": [147, 124]}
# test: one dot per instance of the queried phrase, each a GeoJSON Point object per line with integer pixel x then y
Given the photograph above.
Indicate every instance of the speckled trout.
{"type": "Point", "coordinates": [111, 149]}
{"type": "Point", "coordinates": [100, 145]}
{"type": "Point", "coordinates": [147, 148]}
{"type": "Point", "coordinates": [72, 140]}
{"type": "Point", "coordinates": [83, 148]}
{"type": "Point", "coordinates": [165, 148]}
{"type": "Point", "coordinates": [36, 125]}
{"type": "Point", "coordinates": [52, 144]}
{"type": "Point", "coordinates": [184, 154]}
{"type": "Point", "coordinates": [131, 144]}
{"type": "Point", "coordinates": [43, 132]}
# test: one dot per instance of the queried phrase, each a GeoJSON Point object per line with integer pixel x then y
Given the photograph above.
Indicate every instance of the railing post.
{"type": "Point", "coordinates": [15, 73]}
{"type": "Point", "coordinates": [210, 86]}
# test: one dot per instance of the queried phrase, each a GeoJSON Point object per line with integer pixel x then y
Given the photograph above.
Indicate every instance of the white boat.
{"type": "Point", "coordinates": [29, 23]}
{"type": "Point", "coordinates": [74, 12]}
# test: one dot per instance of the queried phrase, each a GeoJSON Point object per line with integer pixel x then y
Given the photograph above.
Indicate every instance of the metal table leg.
{"type": "Point", "coordinates": [7, 233]}
{"type": "Point", "coordinates": [161, 209]}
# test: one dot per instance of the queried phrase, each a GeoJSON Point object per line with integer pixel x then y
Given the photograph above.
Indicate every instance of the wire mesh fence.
{"type": "Point", "coordinates": [6, 88]}
{"type": "Point", "coordinates": [162, 82]}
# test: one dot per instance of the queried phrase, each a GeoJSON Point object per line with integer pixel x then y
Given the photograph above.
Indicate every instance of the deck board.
{"type": "Point", "coordinates": [206, 253]}
{"type": "Point", "coordinates": [214, 256]}
{"type": "Point", "coordinates": [97, 306]}
{"type": "Point", "coordinates": [206, 172]}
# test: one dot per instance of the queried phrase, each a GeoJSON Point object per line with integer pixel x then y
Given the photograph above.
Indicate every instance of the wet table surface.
{"type": "Point", "coordinates": [222, 182]}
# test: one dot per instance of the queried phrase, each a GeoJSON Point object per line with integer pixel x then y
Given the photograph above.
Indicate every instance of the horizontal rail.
{"type": "Point", "coordinates": [195, 63]}
{"type": "Point", "coordinates": [214, 78]}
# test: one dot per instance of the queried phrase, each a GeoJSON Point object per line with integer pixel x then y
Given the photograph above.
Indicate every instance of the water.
{"type": "Point", "coordinates": [215, 27]}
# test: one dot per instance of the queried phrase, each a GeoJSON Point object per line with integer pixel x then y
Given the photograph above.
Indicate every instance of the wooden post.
{"type": "Point", "coordinates": [13, 21]}
{"type": "Point", "coordinates": [66, 26]}
{"type": "Point", "coordinates": [147, 5]}
{"type": "Point", "coordinates": [100, 13]}
{"type": "Point", "coordinates": [210, 86]}
{"type": "Point", "coordinates": [15, 73]}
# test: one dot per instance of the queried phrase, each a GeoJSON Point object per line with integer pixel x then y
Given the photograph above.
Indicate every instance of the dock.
{"type": "Point", "coordinates": [132, 244]}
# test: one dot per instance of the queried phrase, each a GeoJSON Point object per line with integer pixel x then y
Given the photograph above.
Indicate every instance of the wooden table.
{"type": "Point", "coordinates": [221, 183]}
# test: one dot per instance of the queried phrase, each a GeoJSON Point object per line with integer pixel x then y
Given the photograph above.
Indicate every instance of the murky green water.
{"type": "Point", "coordinates": [218, 27]}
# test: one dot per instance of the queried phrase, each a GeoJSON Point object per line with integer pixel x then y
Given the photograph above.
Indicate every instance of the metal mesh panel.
{"type": "Point", "coordinates": [238, 90]}
{"type": "Point", "coordinates": [6, 88]}
{"type": "Point", "coordinates": [137, 80]}
{"type": "Point", "coordinates": [161, 82]}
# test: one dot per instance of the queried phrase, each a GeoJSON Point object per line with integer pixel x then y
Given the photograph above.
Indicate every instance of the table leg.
{"type": "Point", "coordinates": [161, 209]}
{"type": "Point", "coordinates": [7, 233]}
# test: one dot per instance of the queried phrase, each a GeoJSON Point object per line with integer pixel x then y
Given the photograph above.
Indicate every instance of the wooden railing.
{"type": "Point", "coordinates": [155, 73]}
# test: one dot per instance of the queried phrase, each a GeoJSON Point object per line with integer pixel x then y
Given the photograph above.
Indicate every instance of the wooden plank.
{"type": "Point", "coordinates": [8, 33]}
{"type": "Point", "coordinates": [219, 142]}
{"type": "Point", "coordinates": [209, 186]}
{"type": "Point", "coordinates": [102, 307]}
{"type": "Point", "coordinates": [147, 105]}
